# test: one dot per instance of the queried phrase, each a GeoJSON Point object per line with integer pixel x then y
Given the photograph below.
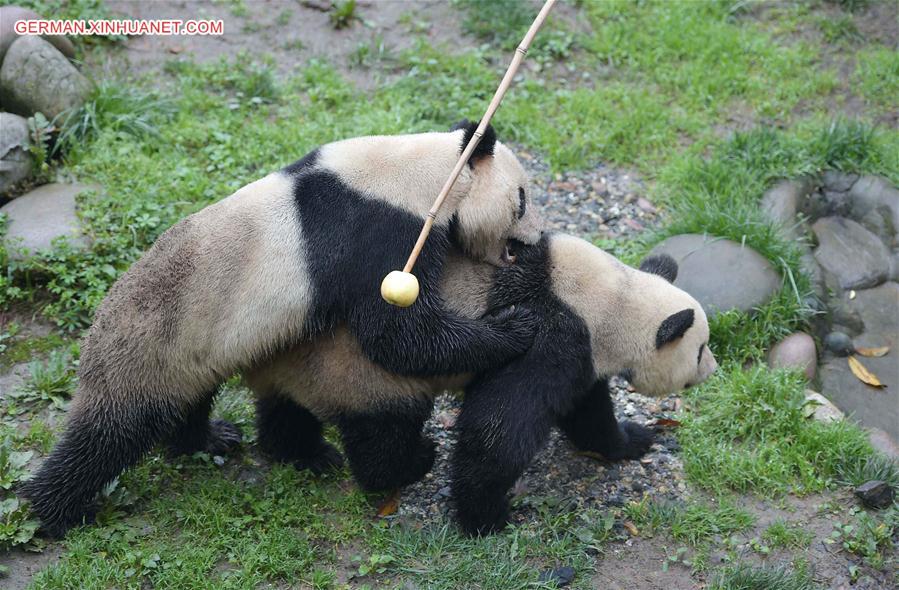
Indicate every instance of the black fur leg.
{"type": "Point", "coordinates": [591, 425]}
{"type": "Point", "coordinates": [199, 433]}
{"type": "Point", "coordinates": [98, 444]}
{"type": "Point", "coordinates": [499, 432]}
{"type": "Point", "coordinates": [289, 433]}
{"type": "Point", "coordinates": [387, 450]}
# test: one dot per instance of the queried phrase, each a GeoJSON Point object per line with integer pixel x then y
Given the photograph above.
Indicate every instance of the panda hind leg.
{"type": "Point", "coordinates": [591, 426]}
{"type": "Point", "coordinates": [197, 433]}
{"type": "Point", "coordinates": [289, 433]}
{"type": "Point", "coordinates": [386, 448]}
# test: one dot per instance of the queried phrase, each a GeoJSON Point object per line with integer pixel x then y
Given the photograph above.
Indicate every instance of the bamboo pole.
{"type": "Point", "coordinates": [504, 85]}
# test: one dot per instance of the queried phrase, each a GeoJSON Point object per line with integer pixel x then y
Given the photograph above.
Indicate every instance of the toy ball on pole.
{"type": "Point", "coordinates": [400, 287]}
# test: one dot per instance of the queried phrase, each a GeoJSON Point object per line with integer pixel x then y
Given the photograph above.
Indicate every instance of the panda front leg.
{"type": "Point", "coordinates": [591, 426]}
{"type": "Point", "coordinates": [386, 447]}
{"type": "Point", "coordinates": [200, 434]}
{"type": "Point", "coordinates": [499, 431]}
{"type": "Point", "coordinates": [426, 339]}
{"type": "Point", "coordinates": [289, 433]}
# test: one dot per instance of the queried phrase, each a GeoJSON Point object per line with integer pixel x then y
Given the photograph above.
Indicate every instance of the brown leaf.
{"type": "Point", "coordinates": [631, 528]}
{"type": "Point", "coordinates": [873, 352]}
{"type": "Point", "coordinates": [863, 374]}
{"type": "Point", "coordinates": [390, 505]}
{"type": "Point", "coordinates": [665, 423]}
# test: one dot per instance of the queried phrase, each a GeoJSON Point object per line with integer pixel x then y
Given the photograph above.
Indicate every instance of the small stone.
{"type": "Point", "coordinates": [855, 257]}
{"type": "Point", "coordinates": [36, 77]}
{"type": "Point", "coordinates": [797, 351]}
{"type": "Point", "coordinates": [37, 218]}
{"type": "Point", "coordinates": [444, 492]}
{"type": "Point", "coordinates": [839, 344]}
{"type": "Point", "coordinates": [875, 494]}
{"type": "Point", "coordinates": [15, 160]}
{"type": "Point", "coordinates": [837, 181]}
{"type": "Point", "coordinates": [615, 500]}
{"type": "Point", "coordinates": [562, 576]}
{"type": "Point", "coordinates": [820, 408]}
{"type": "Point", "coordinates": [645, 205]}
{"type": "Point", "coordinates": [720, 274]}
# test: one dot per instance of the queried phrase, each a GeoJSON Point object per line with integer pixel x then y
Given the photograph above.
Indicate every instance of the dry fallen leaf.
{"type": "Point", "coordinates": [863, 374]}
{"type": "Point", "coordinates": [665, 423]}
{"type": "Point", "coordinates": [631, 528]}
{"type": "Point", "coordinates": [390, 505]}
{"type": "Point", "coordinates": [873, 352]}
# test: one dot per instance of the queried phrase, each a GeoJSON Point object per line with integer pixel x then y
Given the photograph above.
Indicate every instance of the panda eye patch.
{"type": "Point", "coordinates": [522, 203]}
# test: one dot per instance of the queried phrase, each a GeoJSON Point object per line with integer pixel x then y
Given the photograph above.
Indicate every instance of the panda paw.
{"type": "Point", "coordinates": [224, 437]}
{"type": "Point", "coordinates": [326, 459]}
{"type": "Point", "coordinates": [637, 441]}
{"type": "Point", "coordinates": [517, 326]}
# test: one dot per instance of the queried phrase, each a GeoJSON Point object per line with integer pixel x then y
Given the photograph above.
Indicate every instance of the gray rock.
{"type": "Point", "coordinates": [878, 222]}
{"type": "Point", "coordinates": [839, 343]}
{"type": "Point", "coordinates": [35, 76]}
{"type": "Point", "coordinates": [8, 17]}
{"type": "Point", "coordinates": [875, 494]}
{"type": "Point", "coordinates": [15, 160]}
{"type": "Point", "coordinates": [871, 192]}
{"type": "Point", "coordinates": [847, 317]}
{"type": "Point", "coordinates": [882, 442]}
{"type": "Point", "coordinates": [821, 407]}
{"type": "Point", "coordinates": [781, 203]}
{"type": "Point", "coordinates": [878, 408]}
{"type": "Point", "coordinates": [855, 257]}
{"type": "Point", "coordinates": [894, 266]}
{"type": "Point", "coordinates": [719, 273]}
{"type": "Point", "coordinates": [40, 216]}
{"type": "Point", "coordinates": [795, 351]}
{"type": "Point", "coordinates": [834, 180]}
{"type": "Point", "coordinates": [562, 576]}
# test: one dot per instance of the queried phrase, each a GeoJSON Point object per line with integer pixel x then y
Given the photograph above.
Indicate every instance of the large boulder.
{"type": "Point", "coordinates": [36, 77]}
{"type": "Point", "coordinates": [721, 274]}
{"type": "Point", "coordinates": [8, 17]}
{"type": "Point", "coordinates": [37, 218]}
{"type": "Point", "coordinates": [878, 309]}
{"type": "Point", "coordinates": [781, 203]}
{"type": "Point", "coordinates": [853, 256]}
{"type": "Point", "coordinates": [15, 160]}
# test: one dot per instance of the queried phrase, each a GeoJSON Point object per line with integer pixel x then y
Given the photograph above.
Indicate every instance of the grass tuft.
{"type": "Point", "coordinates": [746, 577]}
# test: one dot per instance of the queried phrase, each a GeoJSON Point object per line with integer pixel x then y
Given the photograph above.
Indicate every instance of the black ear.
{"type": "Point", "coordinates": [662, 265]}
{"type": "Point", "coordinates": [674, 327]}
{"type": "Point", "coordinates": [485, 147]}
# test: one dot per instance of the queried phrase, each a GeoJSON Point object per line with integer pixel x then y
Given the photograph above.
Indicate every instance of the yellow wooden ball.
{"type": "Point", "coordinates": [399, 288]}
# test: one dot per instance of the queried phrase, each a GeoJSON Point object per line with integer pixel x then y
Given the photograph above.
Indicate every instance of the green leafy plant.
{"type": "Point", "coordinates": [12, 464]}
{"type": "Point", "coordinates": [15, 526]}
{"type": "Point", "coordinates": [342, 13]}
{"type": "Point", "coordinates": [866, 535]}
{"type": "Point", "coordinates": [52, 380]}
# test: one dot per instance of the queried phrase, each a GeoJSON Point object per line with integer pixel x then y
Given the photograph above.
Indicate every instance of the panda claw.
{"type": "Point", "coordinates": [224, 437]}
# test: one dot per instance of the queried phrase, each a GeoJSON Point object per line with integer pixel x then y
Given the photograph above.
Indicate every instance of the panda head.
{"type": "Point", "coordinates": [497, 208]}
{"type": "Point", "coordinates": [641, 325]}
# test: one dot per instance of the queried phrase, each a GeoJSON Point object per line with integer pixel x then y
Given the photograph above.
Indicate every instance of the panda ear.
{"type": "Point", "coordinates": [485, 147]}
{"type": "Point", "coordinates": [662, 265]}
{"type": "Point", "coordinates": [674, 327]}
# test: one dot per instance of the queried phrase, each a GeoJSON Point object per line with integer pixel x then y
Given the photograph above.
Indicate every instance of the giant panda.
{"type": "Point", "coordinates": [599, 318]}
{"type": "Point", "coordinates": [281, 260]}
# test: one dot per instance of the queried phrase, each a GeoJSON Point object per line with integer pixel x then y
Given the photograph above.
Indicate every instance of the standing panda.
{"type": "Point", "coordinates": [599, 318]}
{"type": "Point", "coordinates": [281, 260]}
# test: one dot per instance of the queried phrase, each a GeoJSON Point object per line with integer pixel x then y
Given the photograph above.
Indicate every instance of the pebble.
{"type": "Point", "coordinates": [875, 494]}
{"type": "Point", "coordinates": [839, 343]}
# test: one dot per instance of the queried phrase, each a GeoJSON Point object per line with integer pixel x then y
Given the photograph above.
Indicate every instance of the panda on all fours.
{"type": "Point", "coordinates": [282, 260]}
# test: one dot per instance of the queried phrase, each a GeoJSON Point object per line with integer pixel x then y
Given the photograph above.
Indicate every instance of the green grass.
{"type": "Point", "coordinates": [747, 431]}
{"type": "Point", "coordinates": [787, 535]}
{"type": "Point", "coordinates": [745, 577]}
